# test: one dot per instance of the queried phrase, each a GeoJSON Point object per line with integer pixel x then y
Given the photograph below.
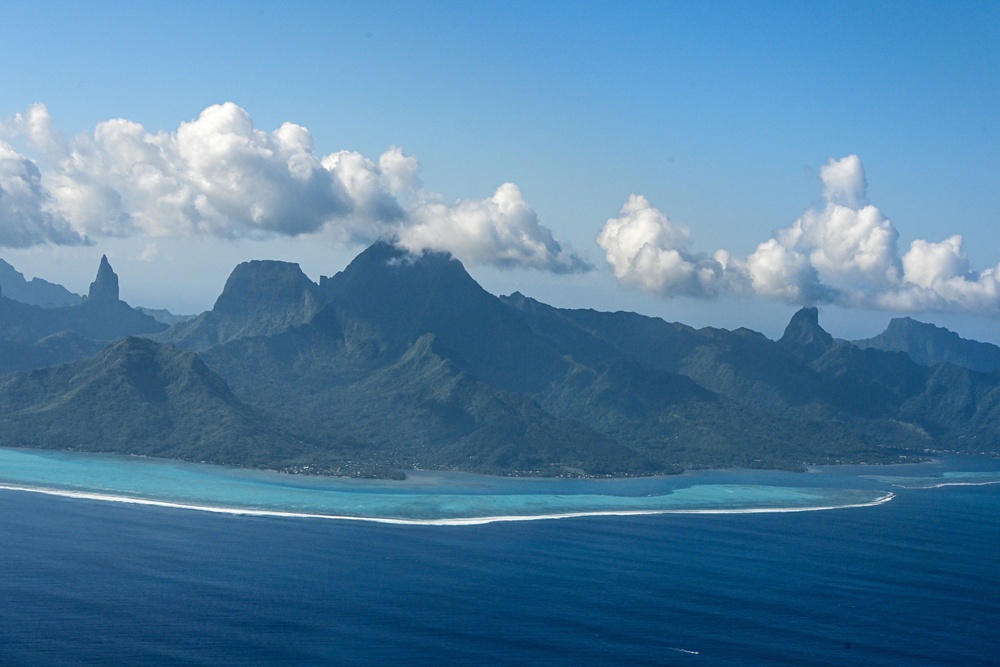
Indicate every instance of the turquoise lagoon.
{"type": "Point", "coordinates": [462, 498]}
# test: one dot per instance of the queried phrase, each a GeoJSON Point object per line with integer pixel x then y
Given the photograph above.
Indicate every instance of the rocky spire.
{"type": "Point", "coordinates": [105, 286]}
{"type": "Point", "coordinates": [805, 337]}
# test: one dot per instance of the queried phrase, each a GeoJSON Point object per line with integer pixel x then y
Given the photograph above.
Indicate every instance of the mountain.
{"type": "Point", "coordinates": [623, 377]}
{"type": "Point", "coordinates": [102, 316]}
{"type": "Point", "coordinates": [35, 337]}
{"type": "Point", "coordinates": [927, 345]}
{"type": "Point", "coordinates": [804, 337]}
{"type": "Point", "coordinates": [164, 316]}
{"type": "Point", "coordinates": [49, 351]}
{"type": "Point", "coordinates": [387, 341]}
{"type": "Point", "coordinates": [749, 401]}
{"type": "Point", "coordinates": [396, 297]}
{"type": "Point", "coordinates": [403, 361]}
{"type": "Point", "coordinates": [417, 409]}
{"type": "Point", "coordinates": [259, 298]}
{"type": "Point", "coordinates": [742, 365]}
{"type": "Point", "coordinates": [139, 397]}
{"type": "Point", "coordinates": [97, 320]}
{"type": "Point", "coordinates": [36, 292]}
{"type": "Point", "coordinates": [105, 285]}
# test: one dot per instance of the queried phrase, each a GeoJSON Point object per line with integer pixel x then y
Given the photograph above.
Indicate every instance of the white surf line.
{"type": "Point", "coordinates": [461, 521]}
{"type": "Point", "coordinates": [941, 485]}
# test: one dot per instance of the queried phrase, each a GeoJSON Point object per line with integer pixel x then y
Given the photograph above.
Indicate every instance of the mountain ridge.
{"type": "Point", "coordinates": [928, 344]}
{"type": "Point", "coordinates": [36, 292]}
{"type": "Point", "coordinates": [402, 360]}
{"type": "Point", "coordinates": [260, 297]}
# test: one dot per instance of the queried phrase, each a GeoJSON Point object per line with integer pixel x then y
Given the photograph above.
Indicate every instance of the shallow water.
{"type": "Point", "coordinates": [437, 497]}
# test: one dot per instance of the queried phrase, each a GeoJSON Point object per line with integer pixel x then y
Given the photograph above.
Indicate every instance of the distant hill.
{"type": "Point", "coordinates": [928, 344]}
{"type": "Point", "coordinates": [403, 361]}
{"type": "Point", "coordinates": [164, 316]}
{"type": "Point", "coordinates": [36, 291]}
{"type": "Point", "coordinates": [35, 337]}
{"type": "Point", "coordinates": [101, 316]}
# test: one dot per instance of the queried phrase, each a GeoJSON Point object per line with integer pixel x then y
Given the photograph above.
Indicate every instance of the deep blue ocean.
{"type": "Point", "coordinates": [914, 581]}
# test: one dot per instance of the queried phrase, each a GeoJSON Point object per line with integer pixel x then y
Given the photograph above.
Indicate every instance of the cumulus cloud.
{"type": "Point", "coordinates": [27, 214]}
{"type": "Point", "coordinates": [217, 174]}
{"type": "Point", "coordinates": [780, 273]}
{"type": "Point", "coordinates": [502, 230]}
{"type": "Point", "coordinates": [220, 175]}
{"type": "Point", "coordinates": [844, 181]}
{"type": "Point", "coordinates": [402, 172]}
{"type": "Point", "coordinates": [937, 276]}
{"type": "Point", "coordinates": [844, 252]}
{"type": "Point", "coordinates": [649, 251]}
{"type": "Point", "coordinates": [36, 126]}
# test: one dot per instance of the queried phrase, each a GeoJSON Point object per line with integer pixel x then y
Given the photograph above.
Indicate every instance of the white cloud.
{"type": "Point", "coordinates": [400, 171]}
{"type": "Point", "coordinates": [937, 276]}
{"type": "Point", "coordinates": [930, 264]}
{"type": "Point", "coordinates": [844, 181]}
{"type": "Point", "coordinates": [27, 214]}
{"type": "Point", "coordinates": [781, 273]}
{"type": "Point", "coordinates": [844, 252]}
{"type": "Point", "coordinates": [36, 126]}
{"type": "Point", "coordinates": [375, 208]}
{"type": "Point", "coordinates": [219, 175]}
{"type": "Point", "coordinates": [502, 230]}
{"type": "Point", "coordinates": [649, 251]}
{"type": "Point", "coordinates": [850, 245]}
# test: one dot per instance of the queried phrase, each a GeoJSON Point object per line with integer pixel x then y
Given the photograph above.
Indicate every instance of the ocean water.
{"type": "Point", "coordinates": [914, 580]}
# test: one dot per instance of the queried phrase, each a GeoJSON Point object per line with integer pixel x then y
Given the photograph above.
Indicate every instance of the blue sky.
{"type": "Point", "coordinates": [732, 121]}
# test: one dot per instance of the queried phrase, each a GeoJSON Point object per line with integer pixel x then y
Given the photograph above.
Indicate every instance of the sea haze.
{"type": "Point", "coordinates": [911, 581]}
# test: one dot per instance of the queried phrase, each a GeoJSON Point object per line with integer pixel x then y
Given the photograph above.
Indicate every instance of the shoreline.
{"type": "Point", "coordinates": [806, 468]}
{"type": "Point", "coordinates": [462, 521]}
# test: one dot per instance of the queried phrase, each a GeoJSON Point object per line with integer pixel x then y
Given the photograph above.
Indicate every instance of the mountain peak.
{"type": "Point", "coordinates": [261, 298]}
{"type": "Point", "coordinates": [805, 336]}
{"type": "Point", "coordinates": [105, 285]}
{"type": "Point", "coordinates": [405, 295]}
{"type": "Point", "coordinates": [928, 344]}
{"type": "Point", "coordinates": [383, 255]}
{"type": "Point", "coordinates": [266, 286]}
{"type": "Point", "coordinates": [36, 291]}
{"type": "Point", "coordinates": [386, 277]}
